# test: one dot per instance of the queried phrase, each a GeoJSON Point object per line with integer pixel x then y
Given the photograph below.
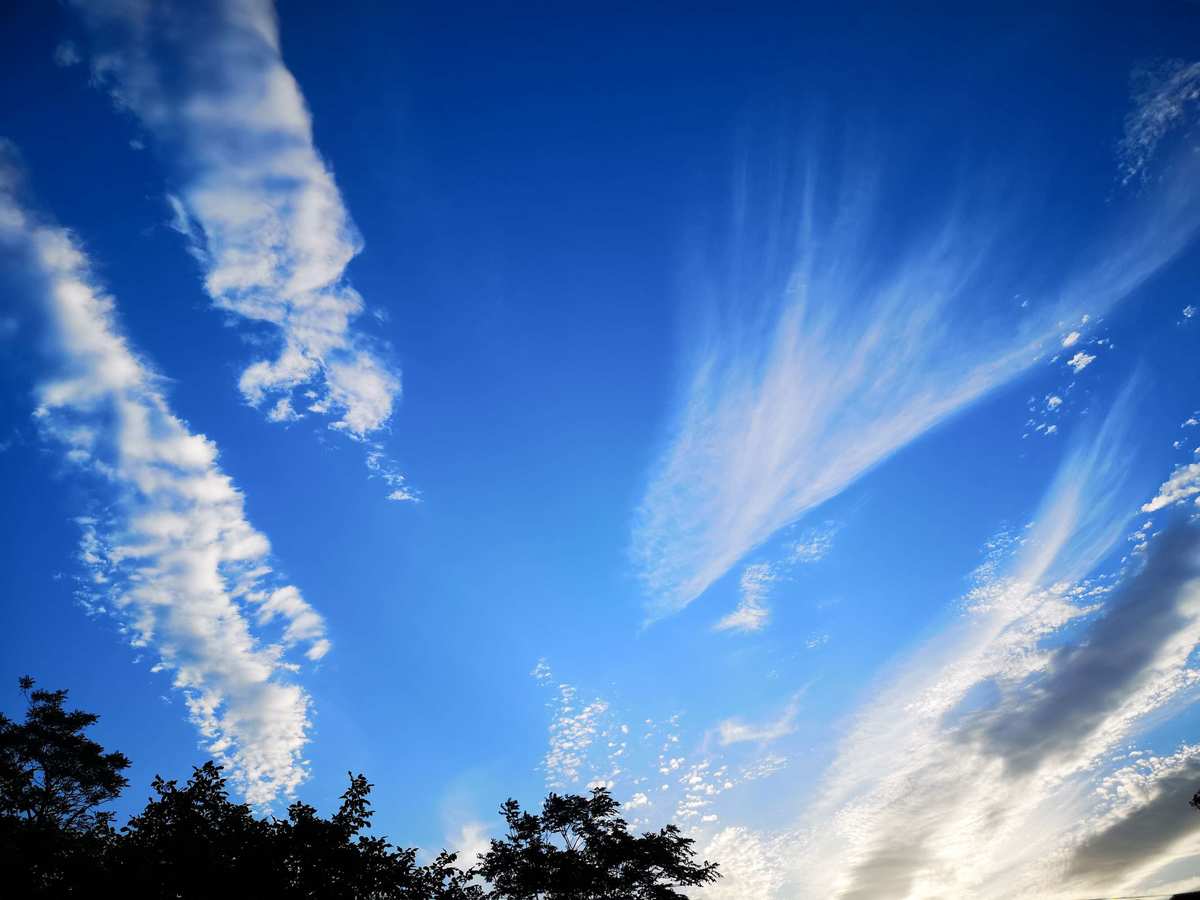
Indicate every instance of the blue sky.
{"type": "Point", "coordinates": [786, 416]}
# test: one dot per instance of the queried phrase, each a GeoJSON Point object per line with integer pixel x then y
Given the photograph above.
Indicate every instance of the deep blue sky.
{"type": "Point", "coordinates": [566, 213]}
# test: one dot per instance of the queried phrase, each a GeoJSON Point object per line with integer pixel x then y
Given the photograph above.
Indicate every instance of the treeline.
{"type": "Point", "coordinates": [193, 841]}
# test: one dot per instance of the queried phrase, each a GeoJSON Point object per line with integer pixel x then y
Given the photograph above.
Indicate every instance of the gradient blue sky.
{"type": "Point", "coordinates": [782, 414]}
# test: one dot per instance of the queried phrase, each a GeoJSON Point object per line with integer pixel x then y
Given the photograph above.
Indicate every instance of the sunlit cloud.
{"type": "Point", "coordinates": [1183, 484]}
{"type": "Point", "coordinates": [255, 201]}
{"type": "Point", "coordinates": [173, 553]}
{"type": "Point", "coordinates": [983, 767]}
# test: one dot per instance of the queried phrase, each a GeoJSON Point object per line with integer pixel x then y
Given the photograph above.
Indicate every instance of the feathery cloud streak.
{"type": "Point", "coordinates": [257, 204]}
{"type": "Point", "coordinates": [736, 731]}
{"type": "Point", "coordinates": [1163, 99]}
{"type": "Point", "coordinates": [831, 344]}
{"type": "Point", "coordinates": [174, 554]}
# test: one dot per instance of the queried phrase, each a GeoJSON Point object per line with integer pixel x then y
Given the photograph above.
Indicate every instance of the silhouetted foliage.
{"type": "Point", "coordinates": [195, 842]}
{"type": "Point", "coordinates": [53, 841]}
{"type": "Point", "coordinates": [51, 773]}
{"type": "Point", "coordinates": [580, 849]}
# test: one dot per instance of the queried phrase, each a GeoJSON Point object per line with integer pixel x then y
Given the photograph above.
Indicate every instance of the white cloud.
{"type": "Point", "coordinates": [1080, 361]}
{"type": "Point", "coordinates": [1071, 339]}
{"type": "Point", "coordinates": [814, 365]}
{"type": "Point", "coordinates": [1183, 483]}
{"type": "Point", "coordinates": [256, 202]}
{"type": "Point", "coordinates": [751, 613]}
{"type": "Point", "coordinates": [469, 841]}
{"type": "Point", "coordinates": [589, 746]}
{"type": "Point", "coordinates": [813, 545]}
{"type": "Point", "coordinates": [380, 466]}
{"type": "Point", "coordinates": [541, 672]}
{"type": "Point", "coordinates": [572, 733]}
{"type": "Point", "coordinates": [176, 558]}
{"type": "Point", "coordinates": [737, 731]}
{"type": "Point", "coordinates": [751, 864]}
{"type": "Point", "coordinates": [637, 801]}
{"type": "Point", "coordinates": [982, 768]}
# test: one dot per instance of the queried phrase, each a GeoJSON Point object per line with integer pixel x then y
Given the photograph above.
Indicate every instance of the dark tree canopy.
{"type": "Point", "coordinates": [53, 840]}
{"type": "Point", "coordinates": [51, 773]}
{"type": "Point", "coordinates": [579, 848]}
{"type": "Point", "coordinates": [195, 842]}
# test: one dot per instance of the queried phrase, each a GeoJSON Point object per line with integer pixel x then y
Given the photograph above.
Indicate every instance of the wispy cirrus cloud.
{"type": "Point", "coordinates": [1164, 96]}
{"type": "Point", "coordinates": [837, 334]}
{"type": "Point", "coordinates": [173, 554]}
{"type": "Point", "coordinates": [738, 731]}
{"type": "Point", "coordinates": [257, 204]}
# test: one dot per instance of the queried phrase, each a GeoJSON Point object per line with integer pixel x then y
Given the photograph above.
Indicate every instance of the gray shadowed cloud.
{"type": "Point", "coordinates": [1084, 683]}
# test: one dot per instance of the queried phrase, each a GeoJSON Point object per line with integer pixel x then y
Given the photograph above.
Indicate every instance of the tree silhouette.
{"type": "Point", "coordinates": [195, 842]}
{"type": "Point", "coordinates": [579, 848]}
{"type": "Point", "coordinates": [52, 777]}
{"type": "Point", "coordinates": [51, 773]}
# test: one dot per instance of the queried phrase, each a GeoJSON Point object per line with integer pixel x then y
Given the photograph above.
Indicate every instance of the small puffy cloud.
{"type": "Point", "coordinates": [1080, 361]}
{"type": "Point", "coordinates": [572, 733]}
{"type": "Point", "coordinates": [637, 801]}
{"type": "Point", "coordinates": [66, 54]}
{"type": "Point", "coordinates": [470, 841]}
{"type": "Point", "coordinates": [1183, 483]}
{"type": "Point", "coordinates": [1071, 339]}
{"type": "Point", "coordinates": [813, 545]}
{"type": "Point", "coordinates": [283, 411]}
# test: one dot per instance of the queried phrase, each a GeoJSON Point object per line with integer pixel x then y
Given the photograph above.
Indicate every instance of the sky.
{"type": "Point", "coordinates": [785, 416]}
